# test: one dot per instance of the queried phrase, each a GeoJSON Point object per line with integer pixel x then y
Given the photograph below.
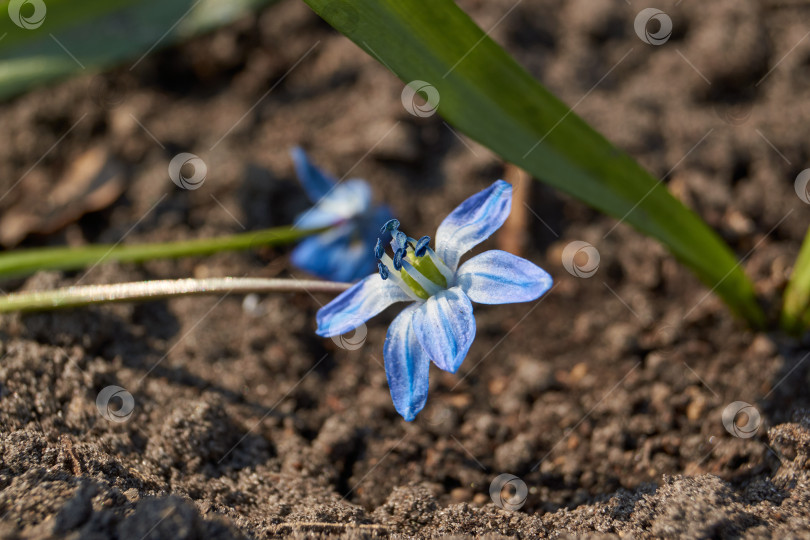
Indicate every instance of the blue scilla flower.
{"type": "Point", "coordinates": [344, 252]}
{"type": "Point", "coordinates": [439, 325]}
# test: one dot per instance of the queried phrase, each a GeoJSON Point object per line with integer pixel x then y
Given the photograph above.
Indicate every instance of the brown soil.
{"type": "Point", "coordinates": [605, 397]}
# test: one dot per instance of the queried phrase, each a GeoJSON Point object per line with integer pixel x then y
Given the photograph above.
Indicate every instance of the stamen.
{"type": "Point", "coordinates": [398, 259]}
{"type": "Point", "coordinates": [415, 268]}
{"type": "Point", "coordinates": [390, 225]}
{"type": "Point", "coordinates": [399, 241]}
{"type": "Point", "coordinates": [397, 278]}
{"type": "Point", "coordinates": [378, 250]}
{"type": "Point", "coordinates": [421, 246]}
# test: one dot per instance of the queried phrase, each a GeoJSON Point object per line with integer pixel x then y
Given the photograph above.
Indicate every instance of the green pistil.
{"type": "Point", "coordinates": [427, 268]}
{"type": "Point", "coordinates": [415, 287]}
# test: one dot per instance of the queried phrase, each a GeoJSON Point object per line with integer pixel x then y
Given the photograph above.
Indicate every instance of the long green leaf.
{"type": "Point", "coordinates": [488, 96]}
{"type": "Point", "coordinates": [26, 261]}
{"type": "Point", "coordinates": [796, 309]}
{"type": "Point", "coordinates": [76, 36]}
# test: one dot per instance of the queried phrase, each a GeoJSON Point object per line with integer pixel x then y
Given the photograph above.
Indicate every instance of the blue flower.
{"type": "Point", "coordinates": [344, 252]}
{"type": "Point", "coordinates": [439, 325]}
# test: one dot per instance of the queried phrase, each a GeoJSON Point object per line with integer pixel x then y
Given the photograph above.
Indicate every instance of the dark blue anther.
{"type": "Point", "coordinates": [378, 250]}
{"type": "Point", "coordinates": [398, 258]}
{"type": "Point", "coordinates": [400, 240]}
{"type": "Point", "coordinates": [421, 246]}
{"type": "Point", "coordinates": [390, 225]}
{"type": "Point", "coordinates": [383, 270]}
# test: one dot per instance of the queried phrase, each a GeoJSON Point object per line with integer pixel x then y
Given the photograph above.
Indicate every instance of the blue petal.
{"type": "Point", "coordinates": [315, 218]}
{"type": "Point", "coordinates": [357, 305]}
{"type": "Point", "coordinates": [355, 262]}
{"type": "Point", "coordinates": [312, 255]}
{"type": "Point", "coordinates": [473, 222]}
{"type": "Point", "coordinates": [316, 182]}
{"type": "Point", "coordinates": [445, 327]}
{"type": "Point", "coordinates": [322, 254]}
{"type": "Point", "coordinates": [498, 277]}
{"type": "Point", "coordinates": [345, 201]}
{"type": "Point", "coordinates": [334, 255]}
{"type": "Point", "coordinates": [345, 253]}
{"type": "Point", "coordinates": [373, 220]}
{"type": "Point", "coordinates": [406, 365]}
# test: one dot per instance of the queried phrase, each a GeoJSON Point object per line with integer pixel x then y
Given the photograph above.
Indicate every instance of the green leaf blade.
{"type": "Point", "coordinates": [92, 34]}
{"type": "Point", "coordinates": [796, 307]}
{"type": "Point", "coordinates": [27, 261]}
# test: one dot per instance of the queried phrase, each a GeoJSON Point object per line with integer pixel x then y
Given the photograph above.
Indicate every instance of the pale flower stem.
{"type": "Point", "coordinates": [164, 288]}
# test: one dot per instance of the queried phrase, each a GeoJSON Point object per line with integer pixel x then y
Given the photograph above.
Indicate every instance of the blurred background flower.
{"type": "Point", "coordinates": [346, 251]}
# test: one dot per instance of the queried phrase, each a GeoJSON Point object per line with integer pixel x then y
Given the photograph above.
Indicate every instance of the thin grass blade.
{"type": "Point", "coordinates": [796, 307]}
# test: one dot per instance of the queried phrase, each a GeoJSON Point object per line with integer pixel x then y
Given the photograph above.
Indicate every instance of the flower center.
{"type": "Point", "coordinates": [415, 267]}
